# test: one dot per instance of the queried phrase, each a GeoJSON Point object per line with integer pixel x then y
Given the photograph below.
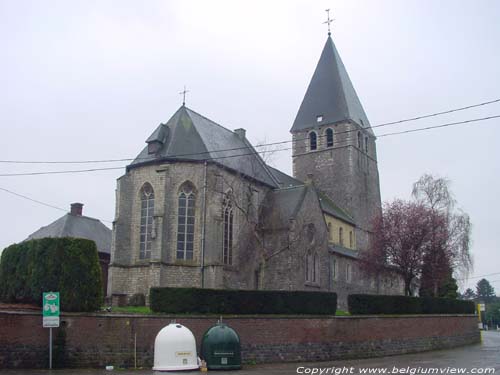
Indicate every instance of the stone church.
{"type": "Point", "coordinates": [199, 207]}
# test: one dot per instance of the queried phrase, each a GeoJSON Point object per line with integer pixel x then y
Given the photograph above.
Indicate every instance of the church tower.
{"type": "Point", "coordinates": [334, 144]}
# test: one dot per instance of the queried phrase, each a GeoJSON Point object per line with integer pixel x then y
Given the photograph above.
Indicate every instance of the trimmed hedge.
{"type": "Point", "coordinates": [223, 301]}
{"type": "Point", "coordinates": [362, 304]}
{"type": "Point", "coordinates": [67, 265]}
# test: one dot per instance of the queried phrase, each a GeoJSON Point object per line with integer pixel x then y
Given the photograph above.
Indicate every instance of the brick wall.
{"type": "Point", "coordinates": [96, 340]}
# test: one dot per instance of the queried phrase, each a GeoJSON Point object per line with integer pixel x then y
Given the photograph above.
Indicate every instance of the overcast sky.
{"type": "Point", "coordinates": [84, 80]}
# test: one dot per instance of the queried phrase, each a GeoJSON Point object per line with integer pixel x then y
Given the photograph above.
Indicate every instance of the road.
{"type": "Point", "coordinates": [480, 359]}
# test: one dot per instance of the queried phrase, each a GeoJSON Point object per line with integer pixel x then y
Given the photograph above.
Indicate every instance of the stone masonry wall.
{"type": "Point", "coordinates": [96, 340]}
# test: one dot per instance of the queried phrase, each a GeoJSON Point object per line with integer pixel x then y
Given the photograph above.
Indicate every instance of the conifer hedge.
{"type": "Point", "coordinates": [223, 301]}
{"type": "Point", "coordinates": [69, 266]}
{"type": "Point", "coordinates": [362, 304]}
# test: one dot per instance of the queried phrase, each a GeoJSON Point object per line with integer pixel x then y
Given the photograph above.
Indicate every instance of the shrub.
{"type": "Point", "coordinates": [137, 299]}
{"type": "Point", "coordinates": [362, 304]}
{"type": "Point", "coordinates": [68, 265]}
{"type": "Point", "coordinates": [222, 301]}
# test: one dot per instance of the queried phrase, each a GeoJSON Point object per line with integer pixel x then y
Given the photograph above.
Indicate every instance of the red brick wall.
{"type": "Point", "coordinates": [106, 339]}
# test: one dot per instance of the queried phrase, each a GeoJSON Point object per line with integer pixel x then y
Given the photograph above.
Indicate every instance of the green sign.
{"type": "Point", "coordinates": [51, 309]}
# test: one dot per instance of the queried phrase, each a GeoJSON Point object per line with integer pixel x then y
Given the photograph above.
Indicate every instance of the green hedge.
{"type": "Point", "coordinates": [362, 304]}
{"type": "Point", "coordinates": [220, 301]}
{"type": "Point", "coordinates": [67, 265]}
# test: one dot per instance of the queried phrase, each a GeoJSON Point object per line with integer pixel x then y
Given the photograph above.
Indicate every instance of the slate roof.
{"type": "Point", "coordinates": [343, 251]}
{"type": "Point", "coordinates": [284, 179]}
{"type": "Point", "coordinates": [330, 94]}
{"type": "Point", "coordinates": [329, 206]}
{"type": "Point", "coordinates": [191, 136]}
{"type": "Point", "coordinates": [79, 227]}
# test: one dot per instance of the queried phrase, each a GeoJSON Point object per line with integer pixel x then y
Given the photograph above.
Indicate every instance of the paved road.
{"type": "Point", "coordinates": [476, 358]}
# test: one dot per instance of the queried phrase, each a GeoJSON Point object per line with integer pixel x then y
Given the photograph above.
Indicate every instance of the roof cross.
{"type": "Point", "coordinates": [328, 21]}
{"type": "Point", "coordinates": [183, 93]}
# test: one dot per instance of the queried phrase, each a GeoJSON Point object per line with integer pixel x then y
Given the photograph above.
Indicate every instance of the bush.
{"type": "Point", "coordinates": [68, 265]}
{"type": "Point", "coordinates": [362, 304]}
{"type": "Point", "coordinates": [137, 299]}
{"type": "Point", "coordinates": [222, 301]}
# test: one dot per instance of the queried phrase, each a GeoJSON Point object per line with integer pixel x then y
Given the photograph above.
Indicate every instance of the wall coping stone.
{"type": "Point", "coordinates": [262, 316]}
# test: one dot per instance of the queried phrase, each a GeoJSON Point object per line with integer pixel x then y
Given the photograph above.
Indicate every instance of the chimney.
{"type": "Point", "coordinates": [240, 133]}
{"type": "Point", "coordinates": [76, 209]}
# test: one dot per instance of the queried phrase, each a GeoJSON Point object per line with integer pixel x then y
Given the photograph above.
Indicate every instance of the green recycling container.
{"type": "Point", "coordinates": [221, 348]}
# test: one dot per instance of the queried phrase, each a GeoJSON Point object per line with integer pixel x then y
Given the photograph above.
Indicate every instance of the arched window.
{"type": "Point", "coordinates": [146, 230]}
{"type": "Point", "coordinates": [348, 272]}
{"type": "Point", "coordinates": [366, 145]}
{"type": "Point", "coordinates": [185, 222]}
{"type": "Point", "coordinates": [312, 267]}
{"type": "Point", "coordinates": [341, 236]}
{"type": "Point", "coordinates": [329, 137]}
{"type": "Point", "coordinates": [351, 239]}
{"type": "Point", "coordinates": [360, 141]}
{"type": "Point", "coordinates": [313, 141]}
{"type": "Point", "coordinates": [330, 233]}
{"type": "Point", "coordinates": [227, 246]}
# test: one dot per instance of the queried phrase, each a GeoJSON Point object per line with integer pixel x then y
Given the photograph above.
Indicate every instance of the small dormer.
{"type": "Point", "coordinates": [157, 139]}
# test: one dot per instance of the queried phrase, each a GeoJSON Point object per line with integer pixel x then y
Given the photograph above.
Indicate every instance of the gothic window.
{"type": "Point", "coordinates": [146, 228]}
{"type": "Point", "coordinates": [185, 222]}
{"type": "Point", "coordinates": [334, 269]}
{"type": "Point", "coordinates": [341, 236]}
{"type": "Point", "coordinates": [312, 267]}
{"type": "Point", "coordinates": [348, 272]}
{"type": "Point", "coordinates": [329, 137]}
{"type": "Point", "coordinates": [330, 233]}
{"type": "Point", "coordinates": [227, 246]}
{"type": "Point", "coordinates": [351, 239]}
{"type": "Point", "coordinates": [366, 145]}
{"type": "Point", "coordinates": [360, 141]}
{"type": "Point", "coordinates": [313, 141]}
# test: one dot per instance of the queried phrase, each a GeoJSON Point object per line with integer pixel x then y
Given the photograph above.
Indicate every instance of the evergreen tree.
{"type": "Point", "coordinates": [469, 294]}
{"type": "Point", "coordinates": [484, 290]}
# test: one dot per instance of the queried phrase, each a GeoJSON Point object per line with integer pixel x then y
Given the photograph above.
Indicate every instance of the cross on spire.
{"type": "Point", "coordinates": [183, 93]}
{"type": "Point", "coordinates": [328, 21]}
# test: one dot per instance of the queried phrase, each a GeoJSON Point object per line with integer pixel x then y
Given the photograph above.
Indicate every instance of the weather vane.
{"type": "Point", "coordinates": [183, 93]}
{"type": "Point", "coordinates": [328, 21]}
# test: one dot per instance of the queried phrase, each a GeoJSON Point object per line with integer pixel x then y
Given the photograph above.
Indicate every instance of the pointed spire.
{"type": "Point", "coordinates": [330, 97]}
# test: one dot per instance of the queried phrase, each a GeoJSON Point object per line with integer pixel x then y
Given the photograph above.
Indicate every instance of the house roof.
{"type": "Point", "coordinates": [330, 94]}
{"type": "Point", "coordinates": [76, 226]}
{"type": "Point", "coordinates": [189, 136]}
{"type": "Point", "coordinates": [328, 206]}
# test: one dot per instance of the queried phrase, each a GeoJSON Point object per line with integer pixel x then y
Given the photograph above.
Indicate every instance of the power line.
{"type": "Point", "coordinates": [37, 201]}
{"type": "Point", "coordinates": [439, 113]}
{"type": "Point", "coordinates": [266, 144]}
{"type": "Point", "coordinates": [477, 277]}
{"type": "Point", "coordinates": [249, 147]}
{"type": "Point", "coordinates": [439, 126]}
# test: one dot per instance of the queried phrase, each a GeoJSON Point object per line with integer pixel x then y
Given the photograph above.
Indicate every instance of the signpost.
{"type": "Point", "coordinates": [51, 310]}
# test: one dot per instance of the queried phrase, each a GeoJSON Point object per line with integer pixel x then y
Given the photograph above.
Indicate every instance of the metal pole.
{"type": "Point", "coordinates": [135, 350]}
{"type": "Point", "coordinates": [50, 348]}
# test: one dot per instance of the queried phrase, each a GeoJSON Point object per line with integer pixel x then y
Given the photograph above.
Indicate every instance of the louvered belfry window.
{"type": "Point", "coordinates": [146, 230]}
{"type": "Point", "coordinates": [185, 223]}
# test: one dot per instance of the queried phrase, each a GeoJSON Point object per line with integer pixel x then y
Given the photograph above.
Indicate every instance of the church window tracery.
{"type": "Point", "coordinates": [313, 141]}
{"type": "Point", "coordinates": [329, 137]}
{"type": "Point", "coordinates": [146, 228]}
{"type": "Point", "coordinates": [227, 246]}
{"type": "Point", "coordinates": [185, 222]}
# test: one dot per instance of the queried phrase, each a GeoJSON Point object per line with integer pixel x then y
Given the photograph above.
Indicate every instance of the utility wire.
{"type": "Point", "coordinates": [250, 153]}
{"type": "Point", "coordinates": [263, 145]}
{"type": "Point", "coordinates": [37, 201]}
{"type": "Point", "coordinates": [477, 277]}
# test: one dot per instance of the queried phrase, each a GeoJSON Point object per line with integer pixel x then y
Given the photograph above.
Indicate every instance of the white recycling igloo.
{"type": "Point", "coordinates": [175, 349]}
